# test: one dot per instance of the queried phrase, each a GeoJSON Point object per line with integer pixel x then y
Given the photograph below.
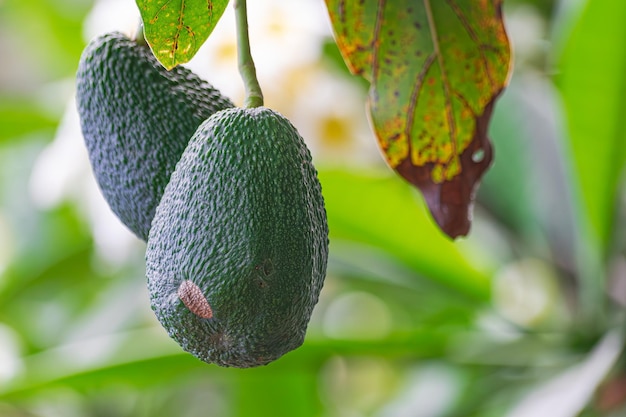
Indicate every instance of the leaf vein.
{"type": "Point", "coordinates": [179, 28]}
{"type": "Point", "coordinates": [163, 7]}
{"type": "Point", "coordinates": [465, 103]}
{"type": "Point", "coordinates": [209, 12]}
{"type": "Point", "coordinates": [342, 13]}
{"type": "Point", "coordinates": [474, 37]}
{"type": "Point", "coordinates": [376, 40]}
{"type": "Point", "coordinates": [444, 76]}
{"type": "Point", "coordinates": [417, 88]}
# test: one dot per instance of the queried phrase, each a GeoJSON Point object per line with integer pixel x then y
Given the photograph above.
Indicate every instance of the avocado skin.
{"type": "Point", "coordinates": [242, 218]}
{"type": "Point", "coordinates": [136, 118]}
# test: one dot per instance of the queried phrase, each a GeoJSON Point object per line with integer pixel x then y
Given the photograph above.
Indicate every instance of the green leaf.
{"type": "Point", "coordinates": [435, 69]}
{"type": "Point", "coordinates": [176, 29]}
{"type": "Point", "coordinates": [146, 355]}
{"type": "Point", "coordinates": [265, 392]}
{"type": "Point", "coordinates": [21, 117]}
{"type": "Point", "coordinates": [382, 212]}
{"type": "Point", "coordinates": [591, 79]}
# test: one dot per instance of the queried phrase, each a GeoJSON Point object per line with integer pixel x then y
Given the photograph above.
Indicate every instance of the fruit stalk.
{"type": "Point", "coordinates": [254, 95]}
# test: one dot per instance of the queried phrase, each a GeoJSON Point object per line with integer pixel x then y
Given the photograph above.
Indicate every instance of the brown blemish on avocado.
{"type": "Point", "coordinates": [191, 295]}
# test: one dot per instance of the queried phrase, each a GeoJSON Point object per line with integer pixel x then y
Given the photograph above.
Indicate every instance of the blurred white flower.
{"type": "Point", "coordinates": [111, 15]}
{"type": "Point", "coordinates": [286, 41]}
{"type": "Point", "coordinates": [283, 35]}
{"type": "Point", "coordinates": [62, 172]}
{"type": "Point", "coordinates": [330, 114]}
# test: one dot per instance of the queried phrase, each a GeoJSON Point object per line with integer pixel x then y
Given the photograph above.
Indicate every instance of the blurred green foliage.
{"type": "Point", "coordinates": [523, 318]}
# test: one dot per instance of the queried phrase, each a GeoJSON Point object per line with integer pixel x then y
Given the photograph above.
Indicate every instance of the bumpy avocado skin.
{"type": "Point", "coordinates": [242, 218]}
{"type": "Point", "coordinates": [137, 119]}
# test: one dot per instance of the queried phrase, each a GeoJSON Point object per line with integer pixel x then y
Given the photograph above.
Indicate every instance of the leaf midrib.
{"type": "Point", "coordinates": [444, 76]}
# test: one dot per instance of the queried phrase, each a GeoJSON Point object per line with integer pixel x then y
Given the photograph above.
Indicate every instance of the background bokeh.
{"type": "Point", "coordinates": [524, 318]}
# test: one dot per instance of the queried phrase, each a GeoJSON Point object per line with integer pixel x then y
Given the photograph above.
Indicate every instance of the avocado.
{"type": "Point", "coordinates": [237, 253]}
{"type": "Point", "coordinates": [136, 118]}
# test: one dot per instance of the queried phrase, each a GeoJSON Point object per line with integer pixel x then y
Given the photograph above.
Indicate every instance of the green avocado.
{"type": "Point", "coordinates": [136, 118]}
{"type": "Point", "coordinates": [238, 248]}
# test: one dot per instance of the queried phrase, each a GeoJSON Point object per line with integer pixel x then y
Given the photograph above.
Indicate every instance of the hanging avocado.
{"type": "Point", "coordinates": [238, 249]}
{"type": "Point", "coordinates": [136, 119]}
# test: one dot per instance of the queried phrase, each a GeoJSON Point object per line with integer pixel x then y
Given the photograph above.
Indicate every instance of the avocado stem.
{"type": "Point", "coordinates": [254, 95]}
